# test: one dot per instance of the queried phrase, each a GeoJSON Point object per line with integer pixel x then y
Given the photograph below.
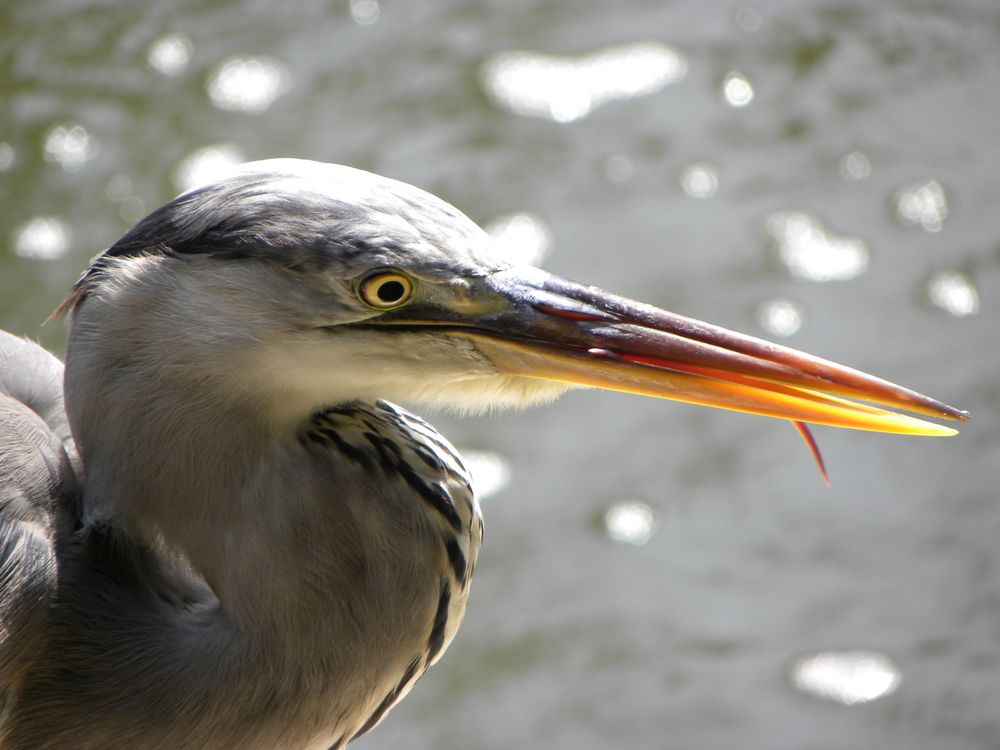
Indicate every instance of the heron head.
{"type": "Point", "coordinates": [293, 285]}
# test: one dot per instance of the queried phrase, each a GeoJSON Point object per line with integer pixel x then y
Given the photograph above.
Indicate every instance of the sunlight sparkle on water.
{"type": "Point", "coordinates": [953, 292]}
{"type": "Point", "coordinates": [780, 317]}
{"type": "Point", "coordinates": [630, 522]}
{"type": "Point", "coordinates": [811, 251]}
{"type": "Point", "coordinates": [490, 471]}
{"type": "Point", "coordinates": [41, 238]}
{"type": "Point", "coordinates": [922, 204]}
{"type": "Point", "coordinates": [70, 146]}
{"type": "Point", "coordinates": [846, 677]}
{"type": "Point", "coordinates": [736, 90]}
{"type": "Point", "coordinates": [565, 89]}
{"type": "Point", "coordinates": [521, 238]}
{"type": "Point", "coordinates": [7, 156]}
{"type": "Point", "coordinates": [119, 188]}
{"type": "Point", "coordinates": [700, 181]}
{"type": "Point", "coordinates": [170, 54]}
{"type": "Point", "coordinates": [247, 84]}
{"type": "Point", "coordinates": [748, 19]}
{"type": "Point", "coordinates": [131, 207]}
{"type": "Point", "coordinates": [855, 166]}
{"type": "Point", "coordinates": [364, 12]}
{"type": "Point", "coordinates": [618, 169]}
{"type": "Point", "coordinates": [206, 165]}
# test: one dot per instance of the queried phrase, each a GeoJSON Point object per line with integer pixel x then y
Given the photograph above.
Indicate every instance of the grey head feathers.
{"type": "Point", "coordinates": [308, 217]}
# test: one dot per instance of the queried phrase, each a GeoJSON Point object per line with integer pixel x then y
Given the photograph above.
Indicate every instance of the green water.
{"type": "Point", "coordinates": [867, 155]}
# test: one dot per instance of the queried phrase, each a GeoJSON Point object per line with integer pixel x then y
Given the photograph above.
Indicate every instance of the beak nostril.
{"type": "Point", "coordinates": [582, 315]}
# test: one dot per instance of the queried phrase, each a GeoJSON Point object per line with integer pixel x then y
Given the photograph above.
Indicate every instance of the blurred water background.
{"type": "Point", "coordinates": [819, 172]}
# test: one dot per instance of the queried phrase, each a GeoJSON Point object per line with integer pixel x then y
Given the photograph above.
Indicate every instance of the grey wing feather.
{"type": "Point", "coordinates": [37, 491]}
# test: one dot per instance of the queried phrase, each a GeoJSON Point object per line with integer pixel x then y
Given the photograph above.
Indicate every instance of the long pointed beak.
{"type": "Point", "coordinates": [559, 330]}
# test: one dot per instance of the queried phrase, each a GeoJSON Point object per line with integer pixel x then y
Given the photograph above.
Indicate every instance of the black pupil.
{"type": "Point", "coordinates": [391, 291]}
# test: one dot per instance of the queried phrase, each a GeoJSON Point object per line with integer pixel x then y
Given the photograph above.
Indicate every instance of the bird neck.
{"type": "Point", "coordinates": [187, 482]}
{"type": "Point", "coordinates": [178, 448]}
{"type": "Point", "coordinates": [274, 523]}
{"type": "Point", "coordinates": [328, 575]}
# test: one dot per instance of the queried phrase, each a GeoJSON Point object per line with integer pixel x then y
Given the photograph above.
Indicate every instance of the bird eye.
{"type": "Point", "coordinates": [386, 289]}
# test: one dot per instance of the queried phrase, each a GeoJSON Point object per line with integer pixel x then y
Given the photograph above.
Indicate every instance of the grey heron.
{"type": "Point", "coordinates": [222, 533]}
